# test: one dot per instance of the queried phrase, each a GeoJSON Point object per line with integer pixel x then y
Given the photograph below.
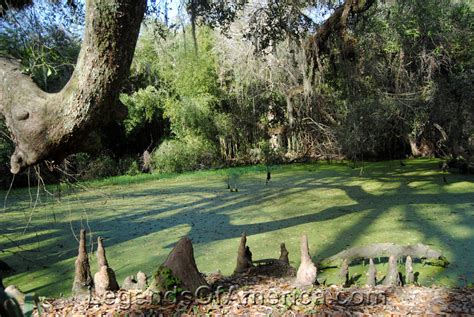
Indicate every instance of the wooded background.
{"type": "Point", "coordinates": [252, 82]}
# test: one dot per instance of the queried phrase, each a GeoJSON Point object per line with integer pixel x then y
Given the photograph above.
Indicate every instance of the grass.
{"type": "Point", "coordinates": [142, 217]}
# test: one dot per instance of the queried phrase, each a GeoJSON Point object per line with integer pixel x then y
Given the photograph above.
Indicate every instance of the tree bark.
{"type": "Point", "coordinates": [415, 152]}
{"type": "Point", "coordinates": [50, 126]}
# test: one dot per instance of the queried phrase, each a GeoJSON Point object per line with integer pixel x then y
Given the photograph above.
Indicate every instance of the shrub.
{"type": "Point", "coordinates": [86, 167]}
{"type": "Point", "coordinates": [128, 166]}
{"type": "Point", "coordinates": [187, 154]}
{"type": "Point", "coordinates": [100, 167]}
{"type": "Point", "coordinates": [144, 107]}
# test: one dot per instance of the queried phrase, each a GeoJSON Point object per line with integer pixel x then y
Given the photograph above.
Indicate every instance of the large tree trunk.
{"type": "Point", "coordinates": [415, 152]}
{"type": "Point", "coordinates": [49, 126]}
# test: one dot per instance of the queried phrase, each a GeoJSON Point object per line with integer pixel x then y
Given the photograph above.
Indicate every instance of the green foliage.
{"type": "Point", "coordinates": [442, 262]}
{"type": "Point", "coordinates": [407, 81]}
{"type": "Point", "coordinates": [191, 115]}
{"type": "Point", "coordinates": [132, 169]}
{"type": "Point", "coordinates": [144, 106]}
{"type": "Point", "coordinates": [267, 154]}
{"type": "Point", "coordinates": [184, 154]}
{"type": "Point", "coordinates": [191, 110]}
{"type": "Point", "coordinates": [46, 39]}
{"type": "Point", "coordinates": [101, 167]}
{"type": "Point", "coordinates": [87, 167]}
{"type": "Point", "coordinates": [181, 88]}
{"type": "Point", "coordinates": [410, 71]}
{"type": "Point", "coordinates": [166, 281]}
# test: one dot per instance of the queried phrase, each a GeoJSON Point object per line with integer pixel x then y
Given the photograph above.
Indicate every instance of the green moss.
{"type": "Point", "coordinates": [164, 280]}
{"type": "Point", "coordinates": [441, 262]}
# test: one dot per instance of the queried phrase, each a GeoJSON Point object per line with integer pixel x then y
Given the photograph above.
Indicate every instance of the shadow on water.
{"type": "Point", "coordinates": [212, 214]}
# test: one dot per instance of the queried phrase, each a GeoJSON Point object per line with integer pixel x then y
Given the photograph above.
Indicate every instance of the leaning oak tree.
{"type": "Point", "coordinates": [50, 126]}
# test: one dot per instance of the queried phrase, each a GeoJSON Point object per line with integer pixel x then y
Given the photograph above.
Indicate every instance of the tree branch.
{"type": "Point", "coordinates": [50, 126]}
{"type": "Point", "coordinates": [337, 24]}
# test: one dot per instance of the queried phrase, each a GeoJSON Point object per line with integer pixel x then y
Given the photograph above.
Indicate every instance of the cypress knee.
{"type": "Point", "coordinates": [244, 256]}
{"type": "Point", "coordinates": [83, 283]}
{"type": "Point", "coordinates": [344, 273]}
{"type": "Point", "coordinates": [101, 257]}
{"type": "Point", "coordinates": [392, 278]}
{"type": "Point", "coordinates": [105, 279]}
{"type": "Point", "coordinates": [371, 274]}
{"type": "Point", "coordinates": [306, 275]}
{"type": "Point", "coordinates": [284, 254]}
{"type": "Point", "coordinates": [410, 277]}
{"type": "Point", "coordinates": [183, 267]}
{"type": "Point", "coordinates": [142, 281]}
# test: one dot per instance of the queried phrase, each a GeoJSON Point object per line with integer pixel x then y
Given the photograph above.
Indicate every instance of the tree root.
{"type": "Point", "coordinates": [420, 251]}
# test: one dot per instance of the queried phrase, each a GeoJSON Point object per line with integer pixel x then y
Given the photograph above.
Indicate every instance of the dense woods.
{"type": "Point", "coordinates": [265, 82]}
